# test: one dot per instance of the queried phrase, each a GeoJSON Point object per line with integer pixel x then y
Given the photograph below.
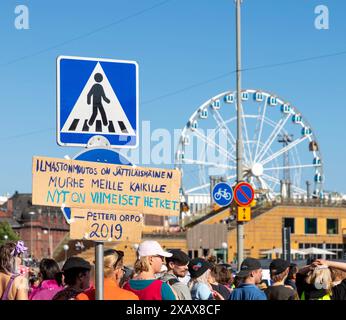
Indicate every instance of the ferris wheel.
{"type": "Point", "coordinates": [278, 142]}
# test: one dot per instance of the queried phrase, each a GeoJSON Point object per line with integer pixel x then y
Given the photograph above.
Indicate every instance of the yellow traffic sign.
{"type": "Point", "coordinates": [244, 214]}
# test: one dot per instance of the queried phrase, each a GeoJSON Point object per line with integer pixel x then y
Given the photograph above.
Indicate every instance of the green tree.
{"type": "Point", "coordinates": [6, 230]}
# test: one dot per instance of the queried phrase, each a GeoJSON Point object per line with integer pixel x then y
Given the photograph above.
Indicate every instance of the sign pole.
{"type": "Point", "coordinates": [240, 225]}
{"type": "Point", "coordinates": [99, 270]}
{"type": "Point", "coordinates": [286, 244]}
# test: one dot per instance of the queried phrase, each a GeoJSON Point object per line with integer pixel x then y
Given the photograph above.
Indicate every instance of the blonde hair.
{"type": "Point", "coordinates": [142, 265]}
{"type": "Point", "coordinates": [321, 277]}
{"type": "Point", "coordinates": [109, 262]}
{"type": "Point", "coordinates": [337, 274]}
{"type": "Point", "coordinates": [204, 278]}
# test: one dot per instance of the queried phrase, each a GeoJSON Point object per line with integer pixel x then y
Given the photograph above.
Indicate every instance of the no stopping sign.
{"type": "Point", "coordinates": [243, 194]}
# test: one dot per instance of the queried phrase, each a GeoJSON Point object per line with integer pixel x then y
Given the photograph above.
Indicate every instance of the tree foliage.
{"type": "Point", "coordinates": [6, 230]}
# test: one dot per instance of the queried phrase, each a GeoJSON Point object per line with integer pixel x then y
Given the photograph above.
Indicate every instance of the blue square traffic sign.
{"type": "Point", "coordinates": [97, 97]}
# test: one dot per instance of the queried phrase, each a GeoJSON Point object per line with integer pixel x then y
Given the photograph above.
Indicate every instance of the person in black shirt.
{"type": "Point", "coordinates": [219, 277]}
{"type": "Point", "coordinates": [291, 277]}
{"type": "Point", "coordinates": [278, 273]}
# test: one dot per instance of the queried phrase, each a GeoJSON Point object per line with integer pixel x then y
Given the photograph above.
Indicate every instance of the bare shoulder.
{"type": "Point", "coordinates": [21, 282]}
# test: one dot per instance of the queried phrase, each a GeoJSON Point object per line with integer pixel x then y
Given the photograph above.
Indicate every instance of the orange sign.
{"type": "Point", "coordinates": [105, 225]}
{"type": "Point", "coordinates": [101, 186]}
{"type": "Point", "coordinates": [244, 214]}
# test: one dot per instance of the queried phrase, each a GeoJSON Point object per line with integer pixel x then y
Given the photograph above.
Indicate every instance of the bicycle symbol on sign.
{"type": "Point", "coordinates": [222, 194]}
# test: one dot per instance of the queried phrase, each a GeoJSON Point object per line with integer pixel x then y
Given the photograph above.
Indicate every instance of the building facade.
{"type": "Point", "coordinates": [41, 228]}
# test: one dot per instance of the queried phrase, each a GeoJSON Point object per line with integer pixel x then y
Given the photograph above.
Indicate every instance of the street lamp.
{"type": "Point", "coordinates": [45, 232]}
{"type": "Point", "coordinates": [32, 213]}
{"type": "Point", "coordinates": [66, 247]}
{"type": "Point", "coordinates": [224, 247]}
{"type": "Point", "coordinates": [5, 237]}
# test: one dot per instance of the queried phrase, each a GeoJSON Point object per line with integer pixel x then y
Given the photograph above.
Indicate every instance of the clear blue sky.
{"type": "Point", "coordinates": [177, 44]}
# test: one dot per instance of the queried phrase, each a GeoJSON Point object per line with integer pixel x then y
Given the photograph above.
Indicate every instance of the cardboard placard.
{"type": "Point", "coordinates": [105, 225]}
{"type": "Point", "coordinates": [93, 185]}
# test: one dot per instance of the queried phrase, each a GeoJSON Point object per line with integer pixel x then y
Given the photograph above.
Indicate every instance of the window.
{"type": "Point", "coordinates": [310, 226]}
{"type": "Point", "coordinates": [289, 223]}
{"type": "Point", "coordinates": [332, 226]}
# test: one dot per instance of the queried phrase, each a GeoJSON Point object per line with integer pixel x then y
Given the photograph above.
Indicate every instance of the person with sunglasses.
{"type": "Point", "coordinates": [149, 262]}
{"type": "Point", "coordinates": [113, 273]}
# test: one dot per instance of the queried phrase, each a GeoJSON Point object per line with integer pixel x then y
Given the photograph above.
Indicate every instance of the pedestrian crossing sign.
{"type": "Point", "coordinates": [97, 97]}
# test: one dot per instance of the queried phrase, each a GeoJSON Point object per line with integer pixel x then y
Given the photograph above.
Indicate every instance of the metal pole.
{"type": "Point", "coordinates": [31, 236]}
{"type": "Point", "coordinates": [286, 244]}
{"type": "Point", "coordinates": [99, 270]}
{"type": "Point", "coordinates": [240, 226]}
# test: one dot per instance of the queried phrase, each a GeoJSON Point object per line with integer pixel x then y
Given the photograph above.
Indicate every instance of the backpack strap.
{"type": "Point", "coordinates": [8, 288]}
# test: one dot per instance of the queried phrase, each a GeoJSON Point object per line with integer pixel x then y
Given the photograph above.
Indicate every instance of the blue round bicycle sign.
{"type": "Point", "coordinates": [223, 194]}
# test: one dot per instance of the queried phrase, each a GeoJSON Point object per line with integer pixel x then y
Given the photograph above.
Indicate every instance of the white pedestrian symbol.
{"type": "Point", "coordinates": [98, 109]}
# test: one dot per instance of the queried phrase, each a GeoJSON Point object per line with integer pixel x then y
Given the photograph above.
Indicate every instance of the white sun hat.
{"type": "Point", "coordinates": [152, 248]}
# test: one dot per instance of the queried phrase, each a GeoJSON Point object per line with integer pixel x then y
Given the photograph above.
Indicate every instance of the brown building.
{"type": "Point", "coordinates": [41, 228]}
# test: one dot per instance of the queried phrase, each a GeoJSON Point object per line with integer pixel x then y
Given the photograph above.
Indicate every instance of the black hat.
{"type": "Point", "coordinates": [76, 262]}
{"type": "Point", "coordinates": [278, 266]}
{"type": "Point", "coordinates": [198, 266]}
{"type": "Point", "coordinates": [248, 265]}
{"type": "Point", "coordinates": [178, 256]}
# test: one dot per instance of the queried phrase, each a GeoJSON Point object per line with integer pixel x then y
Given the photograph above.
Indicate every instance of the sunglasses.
{"type": "Point", "coordinates": [119, 253]}
{"type": "Point", "coordinates": [161, 257]}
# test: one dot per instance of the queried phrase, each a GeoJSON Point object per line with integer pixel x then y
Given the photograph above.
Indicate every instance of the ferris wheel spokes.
{"type": "Point", "coordinates": [294, 187]}
{"type": "Point", "coordinates": [222, 123]}
{"type": "Point", "coordinates": [221, 149]}
{"type": "Point", "coordinates": [249, 158]}
{"type": "Point", "coordinates": [206, 185]}
{"type": "Point", "coordinates": [261, 128]}
{"type": "Point", "coordinates": [271, 138]}
{"type": "Point", "coordinates": [283, 150]}
{"type": "Point", "coordinates": [211, 164]}
{"type": "Point", "coordinates": [293, 167]}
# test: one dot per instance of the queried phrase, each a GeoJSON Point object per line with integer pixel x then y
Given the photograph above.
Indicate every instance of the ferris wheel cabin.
{"type": "Point", "coordinates": [306, 132]}
{"type": "Point", "coordinates": [316, 161]}
{"type": "Point", "coordinates": [259, 96]}
{"type": "Point", "coordinates": [297, 119]}
{"type": "Point", "coordinates": [216, 104]}
{"type": "Point", "coordinates": [286, 108]}
{"type": "Point", "coordinates": [203, 114]}
{"type": "Point", "coordinates": [318, 177]}
{"type": "Point", "coordinates": [193, 125]}
{"type": "Point", "coordinates": [229, 98]}
{"type": "Point", "coordinates": [245, 95]}
{"type": "Point", "coordinates": [273, 101]}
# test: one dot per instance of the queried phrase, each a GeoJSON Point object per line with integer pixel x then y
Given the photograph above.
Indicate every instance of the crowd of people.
{"type": "Point", "coordinates": [168, 275]}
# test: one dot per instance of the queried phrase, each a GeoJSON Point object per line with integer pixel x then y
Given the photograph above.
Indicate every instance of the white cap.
{"type": "Point", "coordinates": [152, 248]}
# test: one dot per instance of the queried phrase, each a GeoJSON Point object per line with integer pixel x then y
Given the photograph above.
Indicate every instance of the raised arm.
{"type": "Point", "coordinates": [333, 264]}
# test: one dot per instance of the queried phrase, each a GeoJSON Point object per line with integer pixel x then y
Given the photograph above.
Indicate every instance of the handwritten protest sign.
{"type": "Point", "coordinates": [93, 185]}
{"type": "Point", "coordinates": [105, 225]}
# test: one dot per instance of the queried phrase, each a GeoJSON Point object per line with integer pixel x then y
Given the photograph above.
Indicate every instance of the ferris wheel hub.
{"type": "Point", "coordinates": [257, 169]}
